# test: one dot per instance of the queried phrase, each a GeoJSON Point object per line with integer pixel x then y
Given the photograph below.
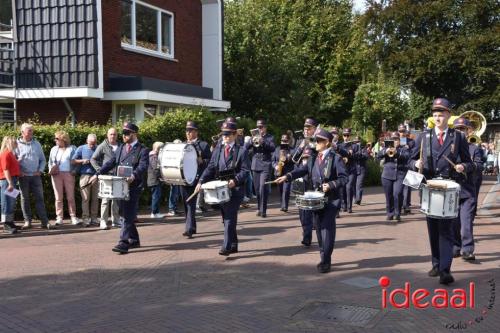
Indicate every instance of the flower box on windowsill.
{"type": "Point", "coordinates": [140, 50]}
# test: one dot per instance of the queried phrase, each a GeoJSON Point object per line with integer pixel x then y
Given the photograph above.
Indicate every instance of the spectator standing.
{"type": "Point", "coordinates": [104, 153]}
{"type": "Point", "coordinates": [9, 173]}
{"type": "Point", "coordinates": [154, 183]}
{"type": "Point", "coordinates": [90, 201]}
{"type": "Point", "coordinates": [32, 162]}
{"type": "Point", "coordinates": [63, 178]}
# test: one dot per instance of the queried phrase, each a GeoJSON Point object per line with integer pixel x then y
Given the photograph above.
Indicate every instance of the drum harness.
{"type": "Point", "coordinates": [229, 173]}
{"type": "Point", "coordinates": [136, 157]}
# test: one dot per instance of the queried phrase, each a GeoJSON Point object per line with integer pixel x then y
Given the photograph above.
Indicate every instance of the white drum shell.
{"type": "Point", "coordinates": [440, 203]}
{"type": "Point", "coordinates": [216, 192]}
{"type": "Point", "coordinates": [178, 163]}
{"type": "Point", "coordinates": [311, 200]}
{"type": "Point", "coordinates": [112, 187]}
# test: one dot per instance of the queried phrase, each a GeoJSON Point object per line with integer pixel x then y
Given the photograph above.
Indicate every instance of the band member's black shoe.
{"type": "Point", "coordinates": [433, 272]}
{"type": "Point", "coordinates": [397, 218]}
{"type": "Point", "coordinates": [389, 218]}
{"type": "Point", "coordinates": [445, 278]}
{"type": "Point", "coordinates": [407, 211]}
{"type": "Point", "coordinates": [134, 245]}
{"type": "Point", "coordinates": [258, 214]}
{"type": "Point", "coordinates": [121, 248]}
{"type": "Point", "coordinates": [456, 254]}
{"type": "Point", "coordinates": [306, 242]}
{"type": "Point", "coordinates": [323, 268]}
{"type": "Point", "coordinates": [188, 234]}
{"type": "Point", "coordinates": [350, 211]}
{"type": "Point", "coordinates": [234, 249]}
{"type": "Point", "coordinates": [9, 228]}
{"type": "Point", "coordinates": [224, 252]}
{"type": "Point", "coordinates": [358, 202]}
{"type": "Point", "coordinates": [469, 256]}
{"type": "Point", "coordinates": [263, 215]}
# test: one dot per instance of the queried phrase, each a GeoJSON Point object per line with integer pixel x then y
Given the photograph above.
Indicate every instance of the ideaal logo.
{"type": "Point", "coordinates": [439, 299]}
{"type": "Point", "coordinates": [422, 298]}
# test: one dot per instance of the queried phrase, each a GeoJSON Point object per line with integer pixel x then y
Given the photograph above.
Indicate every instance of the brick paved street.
{"type": "Point", "coordinates": [69, 280]}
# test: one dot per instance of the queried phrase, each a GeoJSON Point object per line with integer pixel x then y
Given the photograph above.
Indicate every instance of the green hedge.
{"type": "Point", "coordinates": [373, 173]}
{"type": "Point", "coordinates": [166, 128]}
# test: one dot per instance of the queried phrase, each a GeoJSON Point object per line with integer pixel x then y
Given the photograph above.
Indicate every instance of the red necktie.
{"type": "Point", "coordinates": [441, 141]}
{"type": "Point", "coordinates": [129, 147]}
{"type": "Point", "coordinates": [226, 151]}
{"type": "Point", "coordinates": [320, 156]}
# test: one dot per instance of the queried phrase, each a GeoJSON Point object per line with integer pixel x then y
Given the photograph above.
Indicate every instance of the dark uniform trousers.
{"type": "Point", "coordinates": [261, 167]}
{"type": "Point", "coordinates": [348, 191]}
{"type": "Point", "coordinates": [203, 151]}
{"type": "Point", "coordinates": [128, 232]}
{"type": "Point", "coordinates": [455, 147]}
{"type": "Point", "coordinates": [360, 181]}
{"type": "Point", "coordinates": [363, 157]}
{"type": "Point", "coordinates": [284, 189]}
{"type": "Point", "coordinates": [189, 208]}
{"type": "Point", "coordinates": [406, 197]}
{"type": "Point", "coordinates": [324, 219]}
{"type": "Point", "coordinates": [306, 220]}
{"type": "Point", "coordinates": [239, 162]}
{"type": "Point", "coordinates": [464, 224]}
{"type": "Point", "coordinates": [393, 174]}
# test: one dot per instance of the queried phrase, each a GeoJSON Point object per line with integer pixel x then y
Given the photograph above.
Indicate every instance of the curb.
{"type": "Point", "coordinates": [490, 201]}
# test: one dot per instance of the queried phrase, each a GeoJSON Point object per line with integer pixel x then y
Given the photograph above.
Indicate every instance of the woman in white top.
{"type": "Point", "coordinates": [63, 178]}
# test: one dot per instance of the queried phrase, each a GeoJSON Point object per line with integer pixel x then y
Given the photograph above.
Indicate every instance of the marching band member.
{"type": "Point", "coordinates": [131, 154]}
{"type": "Point", "coordinates": [306, 152]}
{"type": "Point", "coordinates": [282, 163]}
{"type": "Point", "coordinates": [439, 143]}
{"type": "Point", "coordinates": [203, 153]}
{"type": "Point", "coordinates": [464, 237]}
{"type": "Point", "coordinates": [360, 169]}
{"type": "Point", "coordinates": [408, 143]}
{"type": "Point", "coordinates": [261, 165]}
{"type": "Point", "coordinates": [232, 157]}
{"type": "Point", "coordinates": [327, 173]}
{"type": "Point", "coordinates": [395, 167]}
{"type": "Point", "coordinates": [351, 153]}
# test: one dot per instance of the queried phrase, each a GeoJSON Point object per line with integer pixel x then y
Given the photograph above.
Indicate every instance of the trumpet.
{"type": "Point", "coordinates": [474, 139]}
{"type": "Point", "coordinates": [256, 137]}
{"type": "Point", "coordinates": [297, 156]}
{"type": "Point", "coordinates": [215, 138]}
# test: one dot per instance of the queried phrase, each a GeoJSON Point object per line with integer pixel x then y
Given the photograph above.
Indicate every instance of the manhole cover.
{"type": "Point", "coordinates": [361, 282]}
{"type": "Point", "coordinates": [330, 312]}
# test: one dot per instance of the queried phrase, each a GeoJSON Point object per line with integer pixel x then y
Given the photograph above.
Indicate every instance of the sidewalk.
{"type": "Point", "coordinates": [72, 282]}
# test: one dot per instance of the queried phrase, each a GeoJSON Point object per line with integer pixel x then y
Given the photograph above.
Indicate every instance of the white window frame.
{"type": "Point", "coordinates": [158, 52]}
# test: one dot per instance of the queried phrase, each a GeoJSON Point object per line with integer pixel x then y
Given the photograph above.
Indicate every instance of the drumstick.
{"type": "Point", "coordinates": [192, 195]}
{"type": "Point", "coordinates": [271, 182]}
{"type": "Point", "coordinates": [454, 165]}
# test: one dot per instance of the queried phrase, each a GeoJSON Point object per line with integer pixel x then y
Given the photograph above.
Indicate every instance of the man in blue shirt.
{"type": "Point", "coordinates": [89, 193]}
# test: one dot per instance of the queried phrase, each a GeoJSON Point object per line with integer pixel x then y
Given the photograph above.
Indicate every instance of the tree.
{"type": "Point", "coordinates": [285, 59]}
{"type": "Point", "coordinates": [443, 48]}
{"type": "Point", "coordinates": [375, 102]}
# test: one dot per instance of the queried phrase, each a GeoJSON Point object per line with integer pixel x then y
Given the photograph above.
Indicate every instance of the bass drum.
{"type": "Point", "coordinates": [178, 163]}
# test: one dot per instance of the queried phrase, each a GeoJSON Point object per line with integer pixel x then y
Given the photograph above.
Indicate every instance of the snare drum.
{"type": "Point", "coordinates": [112, 187]}
{"type": "Point", "coordinates": [311, 200]}
{"type": "Point", "coordinates": [178, 163]}
{"type": "Point", "coordinates": [440, 199]}
{"type": "Point", "coordinates": [216, 192]}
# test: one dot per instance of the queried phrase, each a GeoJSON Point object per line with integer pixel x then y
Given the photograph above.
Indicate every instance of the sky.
{"type": "Point", "coordinates": [359, 5]}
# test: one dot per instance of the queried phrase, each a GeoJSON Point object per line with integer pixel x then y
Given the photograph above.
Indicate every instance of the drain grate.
{"type": "Point", "coordinates": [330, 312]}
{"type": "Point", "coordinates": [361, 282]}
